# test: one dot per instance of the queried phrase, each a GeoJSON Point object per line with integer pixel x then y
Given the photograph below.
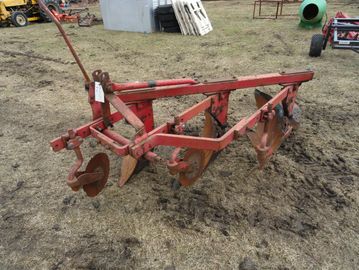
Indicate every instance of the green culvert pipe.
{"type": "Point", "coordinates": [311, 13]}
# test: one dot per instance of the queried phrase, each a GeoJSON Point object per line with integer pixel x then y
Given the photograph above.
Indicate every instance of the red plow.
{"type": "Point", "coordinates": [275, 118]}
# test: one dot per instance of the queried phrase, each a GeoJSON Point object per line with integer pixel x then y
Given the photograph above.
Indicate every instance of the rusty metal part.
{"type": "Point", "coordinates": [196, 164]}
{"type": "Point", "coordinates": [73, 142]}
{"type": "Point", "coordinates": [267, 127]}
{"type": "Point", "coordinates": [94, 179]}
{"type": "Point", "coordinates": [269, 132]}
{"type": "Point", "coordinates": [128, 167]}
{"type": "Point", "coordinates": [182, 166]}
{"type": "Point", "coordinates": [209, 131]}
{"type": "Point", "coordinates": [278, 4]}
{"type": "Point", "coordinates": [175, 164]}
{"type": "Point", "coordinates": [129, 164]}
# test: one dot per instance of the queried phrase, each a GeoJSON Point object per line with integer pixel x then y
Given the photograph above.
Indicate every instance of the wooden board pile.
{"type": "Point", "coordinates": [192, 17]}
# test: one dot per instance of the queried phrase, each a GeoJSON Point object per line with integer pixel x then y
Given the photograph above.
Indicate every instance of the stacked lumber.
{"type": "Point", "coordinates": [192, 17]}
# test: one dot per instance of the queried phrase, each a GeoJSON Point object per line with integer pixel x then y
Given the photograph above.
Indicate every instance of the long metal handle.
{"type": "Point", "coordinates": [67, 40]}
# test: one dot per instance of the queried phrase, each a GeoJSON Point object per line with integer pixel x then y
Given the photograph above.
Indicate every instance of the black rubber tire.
{"type": "Point", "coordinates": [174, 29]}
{"type": "Point", "coordinates": [51, 5]}
{"type": "Point", "coordinates": [44, 16]}
{"type": "Point", "coordinates": [167, 17]}
{"type": "Point", "coordinates": [316, 45]}
{"type": "Point", "coordinates": [166, 24]}
{"type": "Point", "coordinates": [5, 24]}
{"type": "Point", "coordinates": [19, 19]}
{"type": "Point", "coordinates": [164, 9]}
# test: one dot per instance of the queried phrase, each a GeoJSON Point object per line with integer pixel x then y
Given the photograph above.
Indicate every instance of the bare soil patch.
{"type": "Point", "coordinates": [300, 212]}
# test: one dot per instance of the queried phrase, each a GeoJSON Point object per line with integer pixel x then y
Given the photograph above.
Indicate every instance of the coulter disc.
{"type": "Point", "coordinates": [208, 131]}
{"type": "Point", "coordinates": [199, 159]}
{"type": "Point", "coordinates": [96, 172]}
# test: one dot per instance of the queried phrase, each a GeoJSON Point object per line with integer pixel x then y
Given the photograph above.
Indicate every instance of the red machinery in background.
{"type": "Point", "coordinates": [342, 32]}
{"type": "Point", "coordinates": [75, 15]}
{"type": "Point", "coordinates": [273, 121]}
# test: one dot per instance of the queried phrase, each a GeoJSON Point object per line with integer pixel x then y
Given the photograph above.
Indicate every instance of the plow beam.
{"type": "Point", "coordinates": [214, 87]}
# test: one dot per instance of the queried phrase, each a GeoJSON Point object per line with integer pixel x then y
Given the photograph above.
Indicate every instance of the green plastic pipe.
{"type": "Point", "coordinates": [311, 13]}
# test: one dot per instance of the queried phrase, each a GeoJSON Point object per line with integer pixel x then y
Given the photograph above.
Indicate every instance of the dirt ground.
{"type": "Point", "coordinates": [300, 212]}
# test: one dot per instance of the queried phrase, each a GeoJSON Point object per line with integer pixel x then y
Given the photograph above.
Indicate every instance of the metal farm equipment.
{"type": "Point", "coordinates": [277, 4]}
{"type": "Point", "coordinates": [81, 16]}
{"type": "Point", "coordinates": [342, 32]}
{"type": "Point", "coordinates": [274, 120]}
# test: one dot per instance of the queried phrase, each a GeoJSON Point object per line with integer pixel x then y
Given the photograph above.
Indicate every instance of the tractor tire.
{"type": "Point", "coordinates": [51, 5]}
{"type": "Point", "coordinates": [19, 19]}
{"type": "Point", "coordinates": [174, 29]}
{"type": "Point", "coordinates": [165, 9]}
{"type": "Point", "coordinates": [44, 16]}
{"type": "Point", "coordinates": [316, 45]}
{"type": "Point", "coordinates": [166, 24]}
{"type": "Point", "coordinates": [167, 17]}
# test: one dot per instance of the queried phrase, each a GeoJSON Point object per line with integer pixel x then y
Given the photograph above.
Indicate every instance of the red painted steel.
{"type": "Point", "coordinates": [214, 87]}
{"type": "Point", "coordinates": [350, 35]}
{"type": "Point", "coordinates": [135, 106]}
{"type": "Point", "coordinates": [123, 109]}
{"type": "Point", "coordinates": [275, 118]}
{"type": "Point", "coordinates": [149, 84]}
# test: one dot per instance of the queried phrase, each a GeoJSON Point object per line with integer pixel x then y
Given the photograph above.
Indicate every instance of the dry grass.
{"type": "Point", "coordinates": [301, 212]}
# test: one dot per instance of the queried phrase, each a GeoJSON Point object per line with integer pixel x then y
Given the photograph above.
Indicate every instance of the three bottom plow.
{"type": "Point", "coordinates": [275, 118]}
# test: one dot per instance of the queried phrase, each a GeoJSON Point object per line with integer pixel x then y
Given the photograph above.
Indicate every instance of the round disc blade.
{"type": "Point", "coordinates": [99, 164]}
{"type": "Point", "coordinates": [196, 160]}
{"type": "Point", "coordinates": [208, 131]}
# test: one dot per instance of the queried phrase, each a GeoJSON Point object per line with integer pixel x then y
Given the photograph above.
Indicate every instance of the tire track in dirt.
{"type": "Point", "coordinates": [32, 55]}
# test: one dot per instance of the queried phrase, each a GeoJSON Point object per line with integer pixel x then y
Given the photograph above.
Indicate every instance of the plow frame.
{"type": "Point", "coordinates": [266, 128]}
{"type": "Point", "coordinates": [133, 103]}
{"type": "Point", "coordinates": [137, 103]}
